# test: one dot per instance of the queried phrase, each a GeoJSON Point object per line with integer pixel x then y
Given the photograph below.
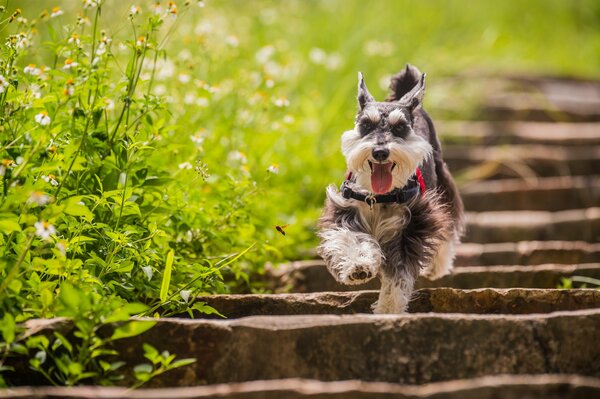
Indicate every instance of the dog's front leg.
{"type": "Point", "coordinates": [395, 293]}
{"type": "Point", "coordinates": [351, 257]}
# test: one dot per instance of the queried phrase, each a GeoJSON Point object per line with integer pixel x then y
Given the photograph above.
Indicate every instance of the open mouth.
{"type": "Point", "coordinates": [381, 176]}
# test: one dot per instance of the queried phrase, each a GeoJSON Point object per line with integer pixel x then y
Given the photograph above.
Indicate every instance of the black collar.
{"type": "Point", "coordinates": [397, 195]}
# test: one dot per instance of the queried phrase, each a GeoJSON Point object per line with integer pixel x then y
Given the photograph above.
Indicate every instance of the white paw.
{"type": "Point", "coordinates": [358, 274]}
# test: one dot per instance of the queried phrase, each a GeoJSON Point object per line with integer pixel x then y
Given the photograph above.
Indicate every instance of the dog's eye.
{"type": "Point", "coordinates": [400, 130]}
{"type": "Point", "coordinates": [365, 126]}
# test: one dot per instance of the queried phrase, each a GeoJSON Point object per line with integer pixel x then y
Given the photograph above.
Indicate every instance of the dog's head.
{"type": "Point", "coordinates": [383, 150]}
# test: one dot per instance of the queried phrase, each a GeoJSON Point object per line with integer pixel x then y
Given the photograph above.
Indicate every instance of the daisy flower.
{"type": "Point", "coordinates": [74, 39]}
{"type": "Point", "coordinates": [50, 179]}
{"type": "Point", "coordinates": [39, 198]}
{"type": "Point", "coordinates": [69, 63]}
{"type": "Point", "coordinates": [281, 102]}
{"type": "Point", "coordinates": [44, 230]}
{"type": "Point", "coordinates": [141, 41]}
{"type": "Point", "coordinates": [56, 11]}
{"type": "Point", "coordinates": [198, 138]}
{"type": "Point", "coordinates": [237, 156]}
{"type": "Point", "coordinates": [185, 165]}
{"type": "Point", "coordinates": [31, 69]}
{"type": "Point", "coordinates": [135, 10]}
{"type": "Point", "coordinates": [42, 118]}
{"type": "Point", "coordinates": [4, 165]}
{"type": "Point", "coordinates": [172, 8]}
{"type": "Point", "coordinates": [274, 168]}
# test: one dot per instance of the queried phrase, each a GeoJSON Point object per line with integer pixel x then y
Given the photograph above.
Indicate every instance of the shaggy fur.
{"type": "Point", "coordinates": [394, 241]}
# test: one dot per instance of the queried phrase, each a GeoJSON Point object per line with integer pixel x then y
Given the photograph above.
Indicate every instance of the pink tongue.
{"type": "Point", "coordinates": [381, 177]}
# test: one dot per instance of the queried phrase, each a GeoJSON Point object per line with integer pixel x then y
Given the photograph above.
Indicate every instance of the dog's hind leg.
{"type": "Point", "coordinates": [443, 260]}
{"type": "Point", "coordinates": [351, 257]}
{"type": "Point", "coordinates": [395, 293]}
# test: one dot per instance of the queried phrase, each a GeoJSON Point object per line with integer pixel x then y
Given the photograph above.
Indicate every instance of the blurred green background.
{"type": "Point", "coordinates": [272, 83]}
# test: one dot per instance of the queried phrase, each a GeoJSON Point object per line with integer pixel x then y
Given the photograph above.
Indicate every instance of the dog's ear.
{"type": "Point", "coordinates": [364, 97]}
{"type": "Point", "coordinates": [414, 98]}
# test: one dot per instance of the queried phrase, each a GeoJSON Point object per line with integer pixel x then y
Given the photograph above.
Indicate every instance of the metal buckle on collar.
{"type": "Point", "coordinates": [370, 200]}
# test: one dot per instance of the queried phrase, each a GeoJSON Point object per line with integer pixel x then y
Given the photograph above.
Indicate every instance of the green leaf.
{"type": "Point", "coordinates": [9, 226]}
{"type": "Point", "coordinates": [74, 207]}
{"type": "Point", "coordinates": [202, 307]}
{"type": "Point", "coordinates": [69, 297]}
{"type": "Point", "coordinates": [131, 329]}
{"type": "Point", "coordinates": [65, 342]}
{"type": "Point", "coordinates": [182, 362]}
{"type": "Point", "coordinates": [8, 328]}
{"type": "Point", "coordinates": [166, 280]}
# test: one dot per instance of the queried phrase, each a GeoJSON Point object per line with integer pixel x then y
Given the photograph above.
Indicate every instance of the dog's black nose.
{"type": "Point", "coordinates": [381, 154]}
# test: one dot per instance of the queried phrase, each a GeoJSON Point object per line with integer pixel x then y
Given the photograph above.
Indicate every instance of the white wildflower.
{"type": "Point", "coordinates": [317, 56]}
{"type": "Point", "coordinates": [232, 41]}
{"type": "Point", "coordinates": [69, 63]}
{"type": "Point", "coordinates": [264, 54]}
{"type": "Point", "coordinates": [42, 118]}
{"type": "Point", "coordinates": [56, 11]}
{"type": "Point", "coordinates": [74, 39]}
{"type": "Point", "coordinates": [281, 102]}
{"type": "Point", "coordinates": [32, 70]}
{"type": "Point", "coordinates": [50, 179]}
{"type": "Point", "coordinates": [185, 165]}
{"type": "Point", "coordinates": [274, 168]}
{"type": "Point", "coordinates": [237, 156]}
{"type": "Point", "coordinates": [44, 230]}
{"type": "Point", "coordinates": [135, 10]}
{"type": "Point", "coordinates": [184, 78]}
{"type": "Point", "coordinates": [39, 198]}
{"type": "Point", "coordinates": [198, 138]}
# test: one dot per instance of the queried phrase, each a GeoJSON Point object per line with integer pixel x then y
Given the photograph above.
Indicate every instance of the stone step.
{"type": "Point", "coordinates": [408, 349]}
{"type": "Point", "coordinates": [313, 276]}
{"type": "Point", "coordinates": [543, 194]}
{"type": "Point", "coordinates": [544, 99]}
{"type": "Point", "coordinates": [527, 253]}
{"type": "Point", "coordinates": [507, 226]}
{"type": "Point", "coordinates": [500, 386]}
{"type": "Point", "coordinates": [517, 132]}
{"type": "Point", "coordinates": [522, 160]}
{"type": "Point", "coordinates": [425, 300]}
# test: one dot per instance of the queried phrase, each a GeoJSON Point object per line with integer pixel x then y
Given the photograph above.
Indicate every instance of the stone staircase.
{"type": "Point", "coordinates": [498, 327]}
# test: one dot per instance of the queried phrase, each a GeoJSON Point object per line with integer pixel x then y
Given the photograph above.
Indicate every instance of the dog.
{"type": "Point", "coordinates": [398, 213]}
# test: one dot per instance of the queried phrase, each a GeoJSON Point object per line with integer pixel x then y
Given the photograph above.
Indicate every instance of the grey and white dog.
{"type": "Point", "coordinates": [399, 212]}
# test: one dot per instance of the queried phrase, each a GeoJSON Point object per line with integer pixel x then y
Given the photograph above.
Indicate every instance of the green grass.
{"type": "Point", "coordinates": [167, 163]}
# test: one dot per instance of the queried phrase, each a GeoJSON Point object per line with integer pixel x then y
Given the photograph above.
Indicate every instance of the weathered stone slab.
{"type": "Point", "coordinates": [492, 387]}
{"type": "Point", "coordinates": [518, 132]}
{"type": "Point", "coordinates": [408, 349]}
{"type": "Point", "coordinates": [507, 226]}
{"type": "Point", "coordinates": [543, 194]}
{"type": "Point", "coordinates": [526, 160]}
{"type": "Point", "coordinates": [438, 300]}
{"type": "Point", "coordinates": [544, 99]}
{"type": "Point", "coordinates": [527, 253]}
{"type": "Point", "coordinates": [313, 276]}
